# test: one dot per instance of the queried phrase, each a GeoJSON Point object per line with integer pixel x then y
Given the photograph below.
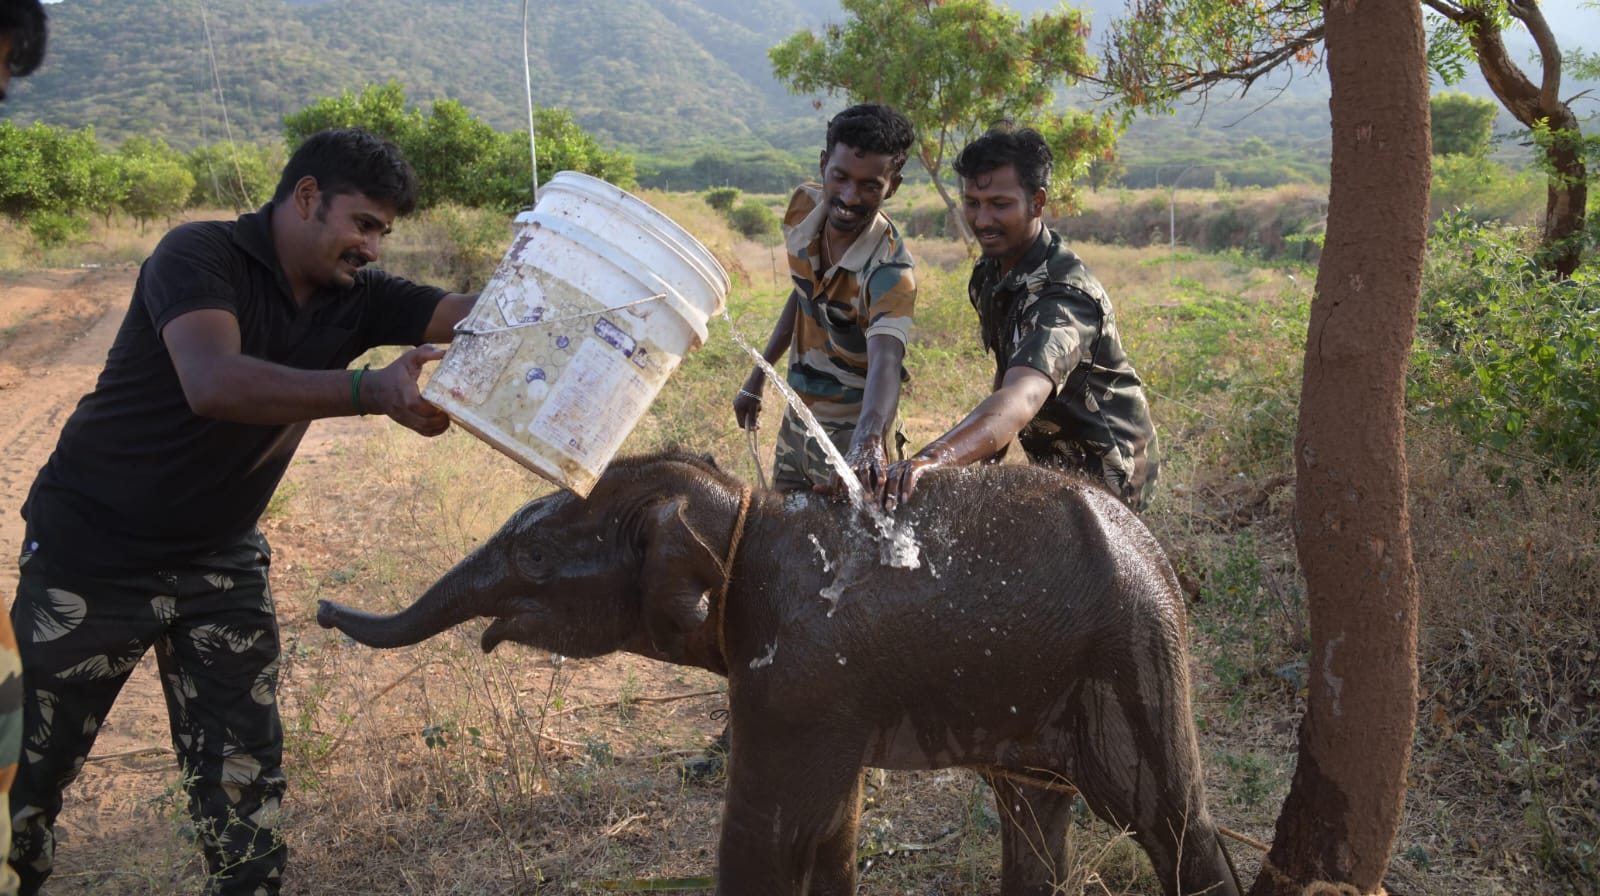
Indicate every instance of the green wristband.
{"type": "Point", "coordinates": [355, 389]}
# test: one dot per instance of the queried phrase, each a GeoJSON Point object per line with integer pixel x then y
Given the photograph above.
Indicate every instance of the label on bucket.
{"type": "Point", "coordinates": [596, 406]}
{"type": "Point", "coordinates": [554, 377]}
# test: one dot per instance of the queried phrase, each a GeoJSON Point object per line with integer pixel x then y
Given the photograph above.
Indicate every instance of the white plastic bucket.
{"type": "Point", "coordinates": [594, 305]}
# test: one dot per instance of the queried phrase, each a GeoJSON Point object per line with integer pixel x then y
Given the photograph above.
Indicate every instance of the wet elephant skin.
{"type": "Point", "coordinates": [1039, 638]}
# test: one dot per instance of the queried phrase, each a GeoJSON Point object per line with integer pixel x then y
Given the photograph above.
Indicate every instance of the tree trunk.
{"type": "Point", "coordinates": [957, 218]}
{"type": "Point", "coordinates": [1567, 193]}
{"type": "Point", "coordinates": [1352, 529]}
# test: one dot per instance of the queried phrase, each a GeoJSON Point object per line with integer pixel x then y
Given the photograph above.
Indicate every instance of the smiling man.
{"type": "Point", "coordinates": [141, 527]}
{"type": "Point", "coordinates": [1063, 386]}
{"type": "Point", "coordinates": [848, 317]}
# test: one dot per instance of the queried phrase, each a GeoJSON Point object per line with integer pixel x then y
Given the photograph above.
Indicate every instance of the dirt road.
{"type": "Point", "coordinates": [55, 329]}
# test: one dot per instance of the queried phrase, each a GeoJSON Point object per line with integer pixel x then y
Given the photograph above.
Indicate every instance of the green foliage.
{"type": "Point", "coordinates": [1552, 800]}
{"type": "Point", "coordinates": [954, 68]}
{"type": "Point", "coordinates": [722, 198]}
{"type": "Point", "coordinates": [1462, 124]}
{"type": "Point", "coordinates": [46, 169]}
{"type": "Point", "coordinates": [1162, 49]}
{"type": "Point", "coordinates": [52, 228]}
{"type": "Point", "coordinates": [1252, 776]}
{"type": "Point", "coordinates": [1449, 50]}
{"type": "Point", "coordinates": [1241, 615]}
{"type": "Point", "coordinates": [156, 178]}
{"type": "Point", "coordinates": [238, 176]}
{"type": "Point", "coordinates": [1247, 354]}
{"type": "Point", "coordinates": [1505, 356]}
{"type": "Point", "coordinates": [1484, 190]}
{"type": "Point", "coordinates": [754, 220]}
{"type": "Point", "coordinates": [459, 158]}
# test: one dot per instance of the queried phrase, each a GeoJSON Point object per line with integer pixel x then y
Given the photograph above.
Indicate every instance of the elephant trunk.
{"type": "Point", "coordinates": [467, 591]}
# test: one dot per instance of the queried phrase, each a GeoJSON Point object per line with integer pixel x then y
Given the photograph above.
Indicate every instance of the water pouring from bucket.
{"type": "Point", "coordinates": [897, 544]}
{"type": "Point", "coordinates": [592, 308]}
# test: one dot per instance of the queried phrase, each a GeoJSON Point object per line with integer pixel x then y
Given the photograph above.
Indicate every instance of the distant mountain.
{"type": "Point", "coordinates": [641, 73]}
{"type": "Point", "coordinates": [669, 77]}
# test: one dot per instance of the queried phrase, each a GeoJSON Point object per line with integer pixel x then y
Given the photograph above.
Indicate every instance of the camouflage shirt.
{"type": "Point", "coordinates": [871, 291]}
{"type": "Point", "coordinates": [1049, 313]}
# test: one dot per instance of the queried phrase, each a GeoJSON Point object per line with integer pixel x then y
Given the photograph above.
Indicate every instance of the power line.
{"type": "Point", "coordinates": [216, 79]}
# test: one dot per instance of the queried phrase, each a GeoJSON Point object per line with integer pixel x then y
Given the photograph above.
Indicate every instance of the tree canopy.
{"type": "Point", "coordinates": [1461, 124]}
{"type": "Point", "coordinates": [459, 158]}
{"type": "Point", "coordinates": [954, 68]}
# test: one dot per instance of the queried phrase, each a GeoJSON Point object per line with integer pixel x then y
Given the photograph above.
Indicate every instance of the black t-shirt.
{"type": "Point", "coordinates": [137, 478]}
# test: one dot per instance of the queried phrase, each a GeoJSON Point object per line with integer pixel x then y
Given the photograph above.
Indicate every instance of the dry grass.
{"type": "Point", "coordinates": [438, 770]}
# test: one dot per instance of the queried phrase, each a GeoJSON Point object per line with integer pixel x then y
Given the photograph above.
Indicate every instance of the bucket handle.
{"type": "Point", "coordinates": [694, 317]}
{"type": "Point", "coordinates": [462, 328]}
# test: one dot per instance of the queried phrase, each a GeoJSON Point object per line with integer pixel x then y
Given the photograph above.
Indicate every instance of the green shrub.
{"type": "Point", "coordinates": [754, 220]}
{"type": "Point", "coordinates": [56, 228]}
{"type": "Point", "coordinates": [1504, 355]}
{"type": "Point", "coordinates": [1484, 190]}
{"type": "Point", "coordinates": [722, 198]}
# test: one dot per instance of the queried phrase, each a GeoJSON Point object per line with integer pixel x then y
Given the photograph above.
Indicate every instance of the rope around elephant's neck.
{"type": "Point", "coordinates": [720, 610]}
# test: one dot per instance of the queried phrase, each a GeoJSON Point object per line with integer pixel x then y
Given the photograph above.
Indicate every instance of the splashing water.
{"type": "Point", "coordinates": [897, 544]}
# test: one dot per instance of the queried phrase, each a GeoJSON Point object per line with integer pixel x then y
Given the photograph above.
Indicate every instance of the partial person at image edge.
{"type": "Point", "coordinates": [23, 35]}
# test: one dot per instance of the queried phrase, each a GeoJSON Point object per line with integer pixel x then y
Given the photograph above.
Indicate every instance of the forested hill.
{"type": "Point", "coordinates": [640, 73]}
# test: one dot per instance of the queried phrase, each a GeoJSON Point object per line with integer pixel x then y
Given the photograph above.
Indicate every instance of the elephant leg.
{"type": "Point", "coordinates": [788, 828]}
{"type": "Point", "coordinates": [833, 871]}
{"type": "Point", "coordinates": [1033, 836]}
{"type": "Point", "coordinates": [1138, 767]}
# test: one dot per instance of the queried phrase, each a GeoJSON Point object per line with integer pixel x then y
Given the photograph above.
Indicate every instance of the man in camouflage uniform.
{"type": "Point", "coordinates": [846, 322]}
{"type": "Point", "coordinates": [22, 42]}
{"type": "Point", "coordinates": [1063, 387]}
{"type": "Point", "coordinates": [848, 317]}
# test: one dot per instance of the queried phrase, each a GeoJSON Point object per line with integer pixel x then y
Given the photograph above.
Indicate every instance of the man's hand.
{"type": "Point", "coordinates": [747, 404]}
{"type": "Point", "coordinates": [901, 479]}
{"type": "Point", "coordinates": [393, 391]}
{"type": "Point", "coordinates": [867, 460]}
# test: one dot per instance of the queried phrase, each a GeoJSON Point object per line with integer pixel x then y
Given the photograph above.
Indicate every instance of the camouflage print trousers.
{"type": "Point", "coordinates": [215, 632]}
{"type": "Point", "coordinates": [10, 740]}
{"type": "Point", "coordinates": [800, 462]}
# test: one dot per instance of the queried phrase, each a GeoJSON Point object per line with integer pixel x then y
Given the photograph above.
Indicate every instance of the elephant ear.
{"type": "Point", "coordinates": [679, 569]}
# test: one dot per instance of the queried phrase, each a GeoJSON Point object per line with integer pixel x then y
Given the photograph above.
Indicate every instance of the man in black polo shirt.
{"type": "Point", "coordinates": [141, 527]}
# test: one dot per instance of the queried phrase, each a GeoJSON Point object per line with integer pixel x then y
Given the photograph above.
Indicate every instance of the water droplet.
{"type": "Point", "coordinates": [988, 652]}
{"type": "Point", "coordinates": [958, 671]}
{"type": "Point", "coordinates": [1013, 710]}
{"type": "Point", "coordinates": [841, 659]}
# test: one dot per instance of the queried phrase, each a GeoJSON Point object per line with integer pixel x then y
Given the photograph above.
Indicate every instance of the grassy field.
{"type": "Point", "coordinates": [438, 770]}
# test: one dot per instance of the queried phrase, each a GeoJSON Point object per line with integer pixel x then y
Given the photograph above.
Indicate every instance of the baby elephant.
{"type": "Point", "coordinates": [1037, 636]}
